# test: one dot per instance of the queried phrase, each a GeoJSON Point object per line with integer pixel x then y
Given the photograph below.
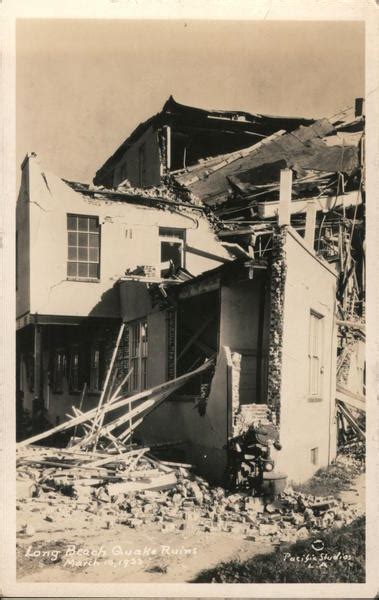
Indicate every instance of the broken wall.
{"type": "Point", "coordinates": [206, 433]}
{"type": "Point", "coordinates": [129, 165]}
{"type": "Point", "coordinates": [129, 237]}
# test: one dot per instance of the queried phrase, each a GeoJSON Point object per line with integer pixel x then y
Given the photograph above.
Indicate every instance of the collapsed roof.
{"type": "Point", "coordinates": [199, 133]}
{"type": "Point", "coordinates": [315, 153]}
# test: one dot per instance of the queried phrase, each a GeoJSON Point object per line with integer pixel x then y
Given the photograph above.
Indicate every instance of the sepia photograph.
{"type": "Point", "coordinates": [190, 358]}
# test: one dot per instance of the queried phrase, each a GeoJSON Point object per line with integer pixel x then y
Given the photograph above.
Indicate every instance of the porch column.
{"type": "Point", "coordinates": [38, 394]}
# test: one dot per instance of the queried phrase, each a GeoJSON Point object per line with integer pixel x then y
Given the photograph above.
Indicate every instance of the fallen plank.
{"type": "Point", "coordinates": [98, 414]}
{"type": "Point", "coordinates": [347, 397]}
{"type": "Point", "coordinates": [124, 457]}
{"type": "Point", "coordinates": [157, 483]}
{"type": "Point", "coordinates": [167, 386]}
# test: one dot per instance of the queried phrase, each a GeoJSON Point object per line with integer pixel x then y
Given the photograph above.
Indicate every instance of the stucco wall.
{"type": "Point", "coordinates": [129, 237]}
{"type": "Point", "coordinates": [205, 435]}
{"type": "Point", "coordinates": [131, 159]}
{"type": "Point", "coordinates": [306, 424]}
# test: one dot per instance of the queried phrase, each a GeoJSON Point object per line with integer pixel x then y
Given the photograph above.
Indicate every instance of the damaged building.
{"type": "Point", "coordinates": [217, 261]}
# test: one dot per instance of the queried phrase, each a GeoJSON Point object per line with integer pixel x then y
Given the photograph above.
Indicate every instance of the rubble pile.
{"type": "Point", "coordinates": [188, 503]}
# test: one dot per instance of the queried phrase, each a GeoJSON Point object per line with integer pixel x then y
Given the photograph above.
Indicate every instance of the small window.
{"type": "Point", "coordinates": [315, 356]}
{"type": "Point", "coordinates": [314, 456]}
{"type": "Point", "coordinates": [83, 237]}
{"type": "Point", "coordinates": [138, 353]}
{"type": "Point", "coordinates": [59, 370]}
{"type": "Point", "coordinates": [172, 249]}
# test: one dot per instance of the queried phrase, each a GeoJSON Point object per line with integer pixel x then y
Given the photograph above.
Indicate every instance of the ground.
{"type": "Point", "coordinates": [64, 542]}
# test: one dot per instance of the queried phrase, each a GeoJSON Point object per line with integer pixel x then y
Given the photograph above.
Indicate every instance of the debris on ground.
{"type": "Point", "coordinates": [136, 489]}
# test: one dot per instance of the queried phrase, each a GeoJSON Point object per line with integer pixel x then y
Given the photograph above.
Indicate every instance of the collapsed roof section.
{"type": "Point", "coordinates": [315, 153]}
{"type": "Point", "coordinates": [197, 134]}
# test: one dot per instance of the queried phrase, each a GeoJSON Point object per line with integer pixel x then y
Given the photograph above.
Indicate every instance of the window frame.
{"type": "Point", "coordinates": [77, 261]}
{"type": "Point", "coordinates": [173, 235]}
{"type": "Point", "coordinates": [59, 370]}
{"type": "Point", "coordinates": [75, 350]}
{"type": "Point", "coordinates": [138, 355]}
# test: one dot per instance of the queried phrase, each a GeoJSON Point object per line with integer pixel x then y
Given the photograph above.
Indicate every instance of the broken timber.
{"type": "Point", "coordinates": [156, 394]}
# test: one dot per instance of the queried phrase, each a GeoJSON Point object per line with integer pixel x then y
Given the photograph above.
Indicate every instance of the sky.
{"type": "Point", "coordinates": [83, 85]}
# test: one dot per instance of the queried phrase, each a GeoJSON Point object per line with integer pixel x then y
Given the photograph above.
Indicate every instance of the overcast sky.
{"type": "Point", "coordinates": [83, 85]}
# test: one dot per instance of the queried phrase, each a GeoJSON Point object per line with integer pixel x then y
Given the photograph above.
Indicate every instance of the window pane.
{"type": "Point", "coordinates": [83, 239]}
{"type": "Point", "coordinates": [71, 222]}
{"type": "Point", "coordinates": [72, 239]}
{"type": "Point", "coordinates": [93, 223]}
{"type": "Point", "coordinates": [72, 253]}
{"type": "Point", "coordinates": [83, 262]}
{"type": "Point", "coordinates": [83, 223]}
{"type": "Point", "coordinates": [94, 254]}
{"type": "Point", "coordinates": [83, 254]}
{"type": "Point", "coordinates": [83, 270]}
{"type": "Point", "coordinates": [72, 269]}
{"type": "Point", "coordinates": [93, 270]}
{"type": "Point", "coordinates": [93, 240]}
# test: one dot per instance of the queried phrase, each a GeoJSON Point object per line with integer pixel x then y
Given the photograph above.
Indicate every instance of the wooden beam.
{"type": "Point", "coordinates": [347, 397]}
{"type": "Point", "coordinates": [205, 254]}
{"type": "Point", "coordinates": [349, 417]}
{"type": "Point", "coordinates": [196, 335]}
{"type": "Point", "coordinates": [107, 379]}
{"type": "Point", "coordinates": [285, 196]}
{"type": "Point", "coordinates": [353, 324]}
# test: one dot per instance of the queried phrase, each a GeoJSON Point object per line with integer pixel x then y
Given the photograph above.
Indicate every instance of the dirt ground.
{"type": "Point", "coordinates": [64, 543]}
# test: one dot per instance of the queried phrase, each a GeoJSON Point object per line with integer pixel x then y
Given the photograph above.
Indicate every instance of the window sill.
{"type": "Point", "coordinates": [84, 279]}
{"type": "Point", "coordinates": [315, 399]}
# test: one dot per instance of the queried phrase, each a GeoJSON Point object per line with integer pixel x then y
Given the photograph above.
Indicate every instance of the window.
{"type": "Point", "coordinates": [59, 370]}
{"type": "Point", "coordinates": [172, 249]}
{"type": "Point", "coordinates": [83, 261]}
{"type": "Point", "coordinates": [74, 375]}
{"type": "Point", "coordinates": [138, 352]}
{"type": "Point", "coordinates": [96, 367]}
{"type": "Point", "coordinates": [315, 355]}
{"type": "Point", "coordinates": [314, 456]}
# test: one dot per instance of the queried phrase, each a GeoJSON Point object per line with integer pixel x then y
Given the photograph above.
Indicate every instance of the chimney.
{"type": "Point", "coordinates": [285, 193]}
{"type": "Point", "coordinates": [310, 224]}
{"type": "Point", "coordinates": [359, 107]}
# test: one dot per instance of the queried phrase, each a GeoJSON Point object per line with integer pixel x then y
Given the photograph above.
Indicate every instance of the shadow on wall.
{"type": "Point", "coordinates": [108, 305]}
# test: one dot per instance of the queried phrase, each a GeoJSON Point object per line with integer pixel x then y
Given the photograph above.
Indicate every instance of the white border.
{"type": "Point", "coordinates": [366, 10]}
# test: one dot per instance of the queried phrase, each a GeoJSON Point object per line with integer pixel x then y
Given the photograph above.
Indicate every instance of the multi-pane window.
{"type": "Point", "coordinates": [138, 352]}
{"type": "Point", "coordinates": [59, 370]}
{"type": "Point", "coordinates": [172, 249]}
{"type": "Point", "coordinates": [74, 375]}
{"type": "Point", "coordinates": [95, 369]}
{"type": "Point", "coordinates": [83, 259]}
{"type": "Point", "coordinates": [315, 355]}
